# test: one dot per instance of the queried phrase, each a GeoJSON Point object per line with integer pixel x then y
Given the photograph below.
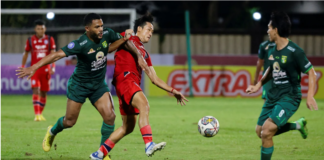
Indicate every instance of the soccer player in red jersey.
{"type": "Point", "coordinates": [132, 101]}
{"type": "Point", "coordinates": [40, 45]}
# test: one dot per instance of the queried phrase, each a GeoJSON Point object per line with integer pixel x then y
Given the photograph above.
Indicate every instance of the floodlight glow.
{"type": "Point", "coordinates": [256, 16]}
{"type": "Point", "coordinates": [50, 15]}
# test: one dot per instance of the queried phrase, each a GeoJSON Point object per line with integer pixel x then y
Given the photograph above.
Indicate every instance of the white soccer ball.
{"type": "Point", "coordinates": [208, 126]}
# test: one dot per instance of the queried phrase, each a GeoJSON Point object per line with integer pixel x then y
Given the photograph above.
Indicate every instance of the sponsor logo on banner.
{"type": "Point", "coordinates": [225, 82]}
{"type": "Point", "coordinates": [213, 83]}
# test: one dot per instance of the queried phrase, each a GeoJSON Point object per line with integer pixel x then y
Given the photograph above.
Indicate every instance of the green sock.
{"type": "Point", "coordinates": [287, 127]}
{"type": "Point", "coordinates": [106, 131]}
{"type": "Point", "coordinates": [266, 153]}
{"type": "Point", "coordinates": [58, 127]}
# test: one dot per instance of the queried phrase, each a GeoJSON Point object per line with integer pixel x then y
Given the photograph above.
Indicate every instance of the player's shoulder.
{"type": "Point", "coordinates": [294, 48]}
{"type": "Point", "coordinates": [107, 31]}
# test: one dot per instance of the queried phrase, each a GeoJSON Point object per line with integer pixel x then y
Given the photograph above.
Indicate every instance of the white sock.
{"type": "Point", "coordinates": [297, 126]}
{"type": "Point", "coordinates": [50, 132]}
{"type": "Point", "coordinates": [100, 154]}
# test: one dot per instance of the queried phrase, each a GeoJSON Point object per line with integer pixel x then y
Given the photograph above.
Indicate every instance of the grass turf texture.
{"type": "Point", "coordinates": [21, 137]}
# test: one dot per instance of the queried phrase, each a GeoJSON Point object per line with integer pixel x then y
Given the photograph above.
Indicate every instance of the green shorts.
{"type": "Point", "coordinates": [79, 93]}
{"type": "Point", "coordinates": [279, 111]}
{"type": "Point", "coordinates": [265, 89]}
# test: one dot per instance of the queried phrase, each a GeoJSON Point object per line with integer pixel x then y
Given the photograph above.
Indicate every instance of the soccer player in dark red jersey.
{"type": "Point", "coordinates": [40, 45]}
{"type": "Point", "coordinates": [132, 101]}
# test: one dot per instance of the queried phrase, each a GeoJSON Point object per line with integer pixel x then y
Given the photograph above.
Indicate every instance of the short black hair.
{"type": "Point", "coordinates": [281, 21]}
{"type": "Point", "coordinates": [89, 17]}
{"type": "Point", "coordinates": [142, 21]}
{"type": "Point", "coordinates": [39, 22]}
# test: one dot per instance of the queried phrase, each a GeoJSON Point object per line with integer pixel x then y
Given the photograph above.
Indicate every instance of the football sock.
{"type": "Point", "coordinates": [106, 147]}
{"type": "Point", "coordinates": [42, 104]}
{"type": "Point", "coordinates": [106, 131]}
{"type": "Point", "coordinates": [36, 104]}
{"type": "Point", "coordinates": [266, 153]}
{"type": "Point", "coordinates": [58, 127]}
{"type": "Point", "coordinates": [287, 127]}
{"type": "Point", "coordinates": [147, 134]}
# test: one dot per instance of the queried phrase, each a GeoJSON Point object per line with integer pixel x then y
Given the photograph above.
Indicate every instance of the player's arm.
{"type": "Point", "coordinates": [260, 63]}
{"type": "Point", "coordinates": [28, 72]}
{"type": "Point", "coordinates": [130, 46]}
{"type": "Point", "coordinates": [161, 84]}
{"type": "Point", "coordinates": [265, 78]}
{"type": "Point", "coordinates": [115, 45]}
{"type": "Point", "coordinates": [311, 103]}
{"type": "Point", "coordinates": [24, 59]}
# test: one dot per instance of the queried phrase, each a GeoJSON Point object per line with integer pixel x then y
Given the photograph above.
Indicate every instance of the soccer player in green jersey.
{"type": "Point", "coordinates": [88, 78]}
{"type": "Point", "coordinates": [286, 62]}
{"type": "Point", "coordinates": [262, 62]}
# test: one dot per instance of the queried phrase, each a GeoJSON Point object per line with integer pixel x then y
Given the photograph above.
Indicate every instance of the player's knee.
{"type": "Point", "coordinates": [258, 132]}
{"type": "Point", "coordinates": [110, 118]}
{"type": "Point", "coordinates": [129, 130]}
{"type": "Point", "coordinates": [266, 133]}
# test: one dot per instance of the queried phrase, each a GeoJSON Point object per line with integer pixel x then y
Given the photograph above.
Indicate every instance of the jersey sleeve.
{"type": "Point", "coordinates": [302, 62]}
{"type": "Point", "coordinates": [113, 36]}
{"type": "Point", "coordinates": [148, 60]}
{"type": "Point", "coordinates": [53, 45]}
{"type": "Point", "coordinates": [27, 46]}
{"type": "Point", "coordinates": [73, 48]}
{"type": "Point", "coordinates": [262, 52]}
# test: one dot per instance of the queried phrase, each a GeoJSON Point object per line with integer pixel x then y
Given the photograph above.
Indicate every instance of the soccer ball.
{"type": "Point", "coordinates": [208, 126]}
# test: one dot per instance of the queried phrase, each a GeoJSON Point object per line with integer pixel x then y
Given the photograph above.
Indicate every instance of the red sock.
{"type": "Point", "coordinates": [147, 134]}
{"type": "Point", "coordinates": [106, 147]}
{"type": "Point", "coordinates": [42, 104]}
{"type": "Point", "coordinates": [36, 104]}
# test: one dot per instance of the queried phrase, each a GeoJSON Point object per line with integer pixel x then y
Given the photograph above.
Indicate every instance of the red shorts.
{"type": "Point", "coordinates": [127, 85]}
{"type": "Point", "coordinates": [41, 80]}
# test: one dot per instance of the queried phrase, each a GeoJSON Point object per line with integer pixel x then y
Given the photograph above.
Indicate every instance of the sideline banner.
{"type": "Point", "coordinates": [219, 81]}
{"type": "Point", "coordinates": [11, 84]}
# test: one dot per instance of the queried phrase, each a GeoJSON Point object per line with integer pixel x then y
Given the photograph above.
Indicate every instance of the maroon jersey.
{"type": "Point", "coordinates": [39, 49]}
{"type": "Point", "coordinates": [126, 62]}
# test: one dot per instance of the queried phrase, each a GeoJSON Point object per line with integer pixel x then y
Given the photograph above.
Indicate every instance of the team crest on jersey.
{"type": "Point", "coordinates": [91, 51]}
{"type": "Point", "coordinates": [283, 59]}
{"type": "Point", "coordinates": [104, 44]}
{"type": "Point", "coordinates": [276, 67]}
{"type": "Point", "coordinates": [45, 41]}
{"type": "Point", "coordinates": [271, 57]}
{"type": "Point", "coordinates": [100, 55]}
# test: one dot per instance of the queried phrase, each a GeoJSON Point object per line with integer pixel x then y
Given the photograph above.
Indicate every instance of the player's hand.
{"type": "Point", "coordinates": [25, 72]}
{"type": "Point", "coordinates": [180, 98]}
{"type": "Point", "coordinates": [255, 81]}
{"type": "Point", "coordinates": [52, 71]}
{"type": "Point", "coordinates": [311, 103]}
{"type": "Point", "coordinates": [142, 63]}
{"type": "Point", "coordinates": [128, 34]}
{"type": "Point", "coordinates": [252, 89]}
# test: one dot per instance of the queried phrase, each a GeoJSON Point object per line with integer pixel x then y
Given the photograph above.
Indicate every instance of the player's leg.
{"type": "Point", "coordinates": [45, 87]}
{"type": "Point", "coordinates": [264, 115]}
{"type": "Point", "coordinates": [140, 102]}
{"type": "Point", "coordinates": [35, 84]}
{"type": "Point", "coordinates": [72, 113]}
{"type": "Point", "coordinates": [129, 122]}
{"type": "Point", "coordinates": [105, 107]}
{"type": "Point", "coordinates": [269, 129]}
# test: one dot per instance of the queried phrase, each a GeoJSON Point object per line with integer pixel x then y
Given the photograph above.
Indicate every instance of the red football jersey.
{"type": "Point", "coordinates": [39, 49]}
{"type": "Point", "coordinates": [124, 61]}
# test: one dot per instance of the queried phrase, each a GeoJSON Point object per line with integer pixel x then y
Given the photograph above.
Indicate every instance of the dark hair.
{"type": "Point", "coordinates": [142, 21]}
{"type": "Point", "coordinates": [89, 17]}
{"type": "Point", "coordinates": [281, 21]}
{"type": "Point", "coordinates": [39, 22]}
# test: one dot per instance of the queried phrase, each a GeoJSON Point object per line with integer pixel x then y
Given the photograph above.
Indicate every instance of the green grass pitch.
{"type": "Point", "coordinates": [21, 137]}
